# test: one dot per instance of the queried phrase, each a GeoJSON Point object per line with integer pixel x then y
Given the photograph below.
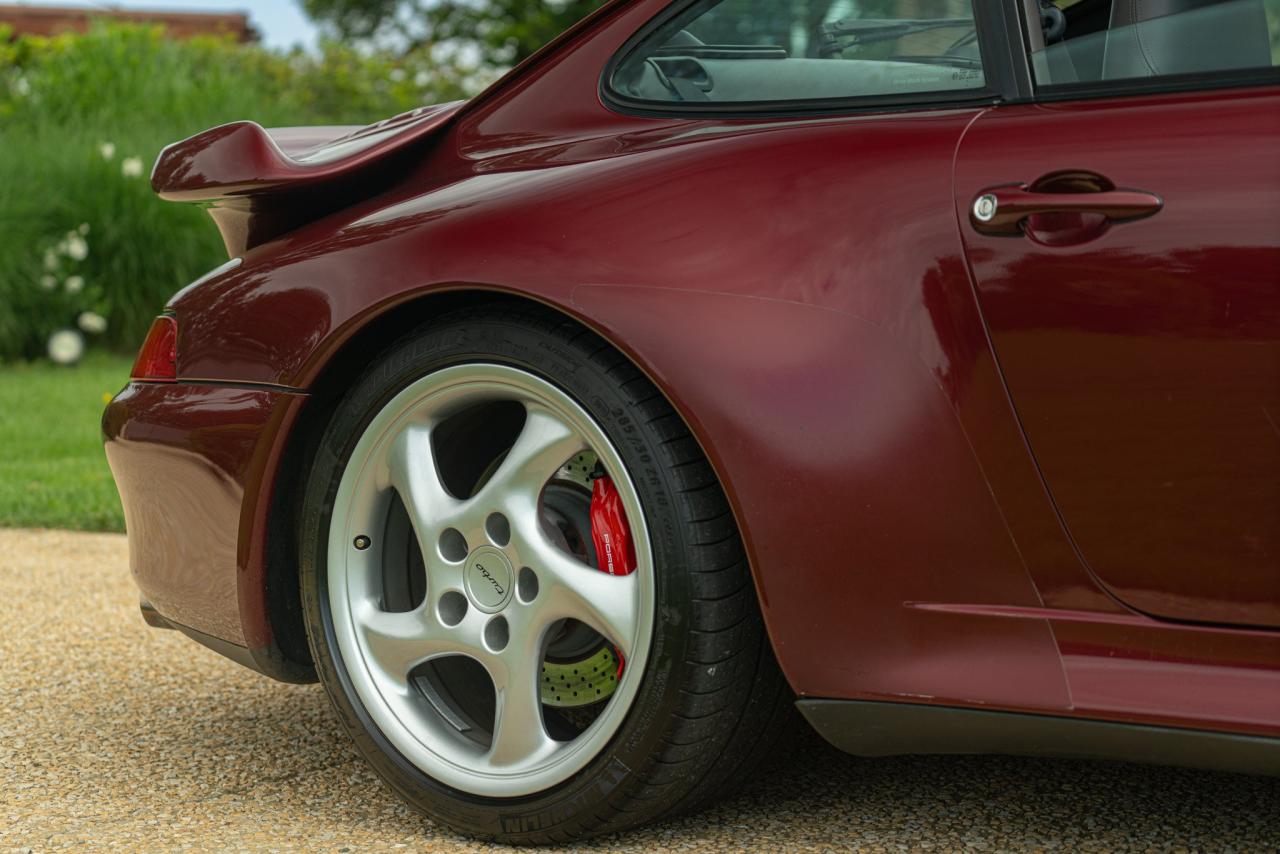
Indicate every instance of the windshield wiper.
{"type": "Point", "coordinates": [846, 33]}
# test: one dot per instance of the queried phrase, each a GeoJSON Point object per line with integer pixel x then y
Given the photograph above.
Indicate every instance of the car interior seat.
{"type": "Point", "coordinates": [1148, 38]}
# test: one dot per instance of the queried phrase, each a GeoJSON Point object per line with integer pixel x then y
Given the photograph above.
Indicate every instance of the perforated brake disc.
{"type": "Point", "coordinates": [590, 676]}
{"type": "Point", "coordinates": [578, 470]}
{"type": "Point", "coordinates": [580, 683]}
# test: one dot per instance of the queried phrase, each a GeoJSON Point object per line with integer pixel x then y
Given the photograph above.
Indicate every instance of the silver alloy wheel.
{"type": "Point", "coordinates": [493, 591]}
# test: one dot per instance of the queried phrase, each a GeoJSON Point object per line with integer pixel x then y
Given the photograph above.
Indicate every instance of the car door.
{"type": "Point", "coordinates": [1123, 235]}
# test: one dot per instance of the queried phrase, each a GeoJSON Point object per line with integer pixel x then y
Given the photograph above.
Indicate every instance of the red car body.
{"type": "Point", "coordinates": [974, 472]}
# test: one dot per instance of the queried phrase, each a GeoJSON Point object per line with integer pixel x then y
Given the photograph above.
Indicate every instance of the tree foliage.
{"type": "Point", "coordinates": [502, 32]}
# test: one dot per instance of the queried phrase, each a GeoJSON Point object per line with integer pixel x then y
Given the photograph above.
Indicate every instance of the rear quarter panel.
{"type": "Point", "coordinates": [796, 289]}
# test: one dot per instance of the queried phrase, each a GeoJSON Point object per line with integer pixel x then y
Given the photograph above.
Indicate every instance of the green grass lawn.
{"type": "Point", "coordinates": [53, 473]}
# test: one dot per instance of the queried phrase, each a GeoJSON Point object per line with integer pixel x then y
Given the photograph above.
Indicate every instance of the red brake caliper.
{"type": "Point", "coordinates": [615, 553]}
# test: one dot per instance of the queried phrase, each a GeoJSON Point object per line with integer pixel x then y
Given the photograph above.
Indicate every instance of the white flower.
{"type": "Point", "coordinates": [422, 79]}
{"type": "Point", "coordinates": [91, 321]}
{"type": "Point", "coordinates": [75, 247]}
{"type": "Point", "coordinates": [83, 229]}
{"type": "Point", "coordinates": [131, 167]}
{"type": "Point", "coordinates": [107, 150]}
{"type": "Point", "coordinates": [66, 346]}
{"type": "Point", "coordinates": [74, 284]}
{"type": "Point", "coordinates": [21, 87]}
{"type": "Point", "coordinates": [48, 282]}
{"type": "Point", "coordinates": [397, 75]}
{"type": "Point", "coordinates": [50, 259]}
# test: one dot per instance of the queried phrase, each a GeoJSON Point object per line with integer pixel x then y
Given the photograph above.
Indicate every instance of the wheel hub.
{"type": "Point", "coordinates": [489, 579]}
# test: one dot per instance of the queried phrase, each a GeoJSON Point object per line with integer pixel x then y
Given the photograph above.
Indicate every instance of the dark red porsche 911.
{"type": "Point", "coordinates": [915, 363]}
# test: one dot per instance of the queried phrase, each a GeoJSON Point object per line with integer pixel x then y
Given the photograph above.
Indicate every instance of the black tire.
{"type": "Point", "coordinates": [712, 698]}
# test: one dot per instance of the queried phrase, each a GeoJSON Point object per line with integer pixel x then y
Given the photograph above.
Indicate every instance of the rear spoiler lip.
{"type": "Point", "coordinates": [260, 184]}
{"type": "Point", "coordinates": [244, 159]}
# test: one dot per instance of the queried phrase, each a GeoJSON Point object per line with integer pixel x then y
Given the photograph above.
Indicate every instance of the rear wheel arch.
{"type": "Point", "coordinates": [713, 672]}
{"type": "Point", "coordinates": [329, 380]}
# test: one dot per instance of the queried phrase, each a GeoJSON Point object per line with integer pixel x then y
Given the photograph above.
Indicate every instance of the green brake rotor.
{"type": "Point", "coordinates": [580, 683]}
{"type": "Point", "coordinates": [593, 678]}
{"type": "Point", "coordinates": [578, 470]}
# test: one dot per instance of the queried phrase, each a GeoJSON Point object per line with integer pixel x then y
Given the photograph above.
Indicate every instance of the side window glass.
{"type": "Point", "coordinates": [1086, 41]}
{"type": "Point", "coordinates": [740, 51]}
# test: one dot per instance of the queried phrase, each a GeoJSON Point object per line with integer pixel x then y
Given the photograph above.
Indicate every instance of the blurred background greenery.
{"type": "Point", "coordinates": [53, 473]}
{"type": "Point", "coordinates": [499, 32]}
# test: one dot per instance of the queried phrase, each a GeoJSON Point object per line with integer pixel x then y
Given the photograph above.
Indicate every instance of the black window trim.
{"type": "Point", "coordinates": [1005, 71]}
{"type": "Point", "coordinates": [1130, 87]}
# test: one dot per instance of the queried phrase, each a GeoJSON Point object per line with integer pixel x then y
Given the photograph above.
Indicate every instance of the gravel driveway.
{"type": "Point", "coordinates": [115, 734]}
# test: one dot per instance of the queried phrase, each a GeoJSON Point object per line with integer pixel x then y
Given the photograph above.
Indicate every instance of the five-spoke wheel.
{"type": "Point", "coordinates": [432, 560]}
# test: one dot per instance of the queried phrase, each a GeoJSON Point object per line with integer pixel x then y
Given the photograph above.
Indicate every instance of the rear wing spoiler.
{"type": "Point", "coordinates": [260, 184]}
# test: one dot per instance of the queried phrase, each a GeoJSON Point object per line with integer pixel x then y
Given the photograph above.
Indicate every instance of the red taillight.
{"type": "Point", "coordinates": [157, 361]}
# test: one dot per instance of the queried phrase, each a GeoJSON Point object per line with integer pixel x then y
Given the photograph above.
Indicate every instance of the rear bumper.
{"type": "Point", "coordinates": [195, 467]}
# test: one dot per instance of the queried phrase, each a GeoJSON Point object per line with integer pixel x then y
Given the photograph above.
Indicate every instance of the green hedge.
{"type": "Point", "coordinates": [83, 242]}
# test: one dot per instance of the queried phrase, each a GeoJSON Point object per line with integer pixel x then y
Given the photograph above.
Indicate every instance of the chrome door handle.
{"type": "Point", "coordinates": [1003, 210]}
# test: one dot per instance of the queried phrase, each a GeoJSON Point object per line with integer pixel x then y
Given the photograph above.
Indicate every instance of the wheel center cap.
{"type": "Point", "coordinates": [488, 579]}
